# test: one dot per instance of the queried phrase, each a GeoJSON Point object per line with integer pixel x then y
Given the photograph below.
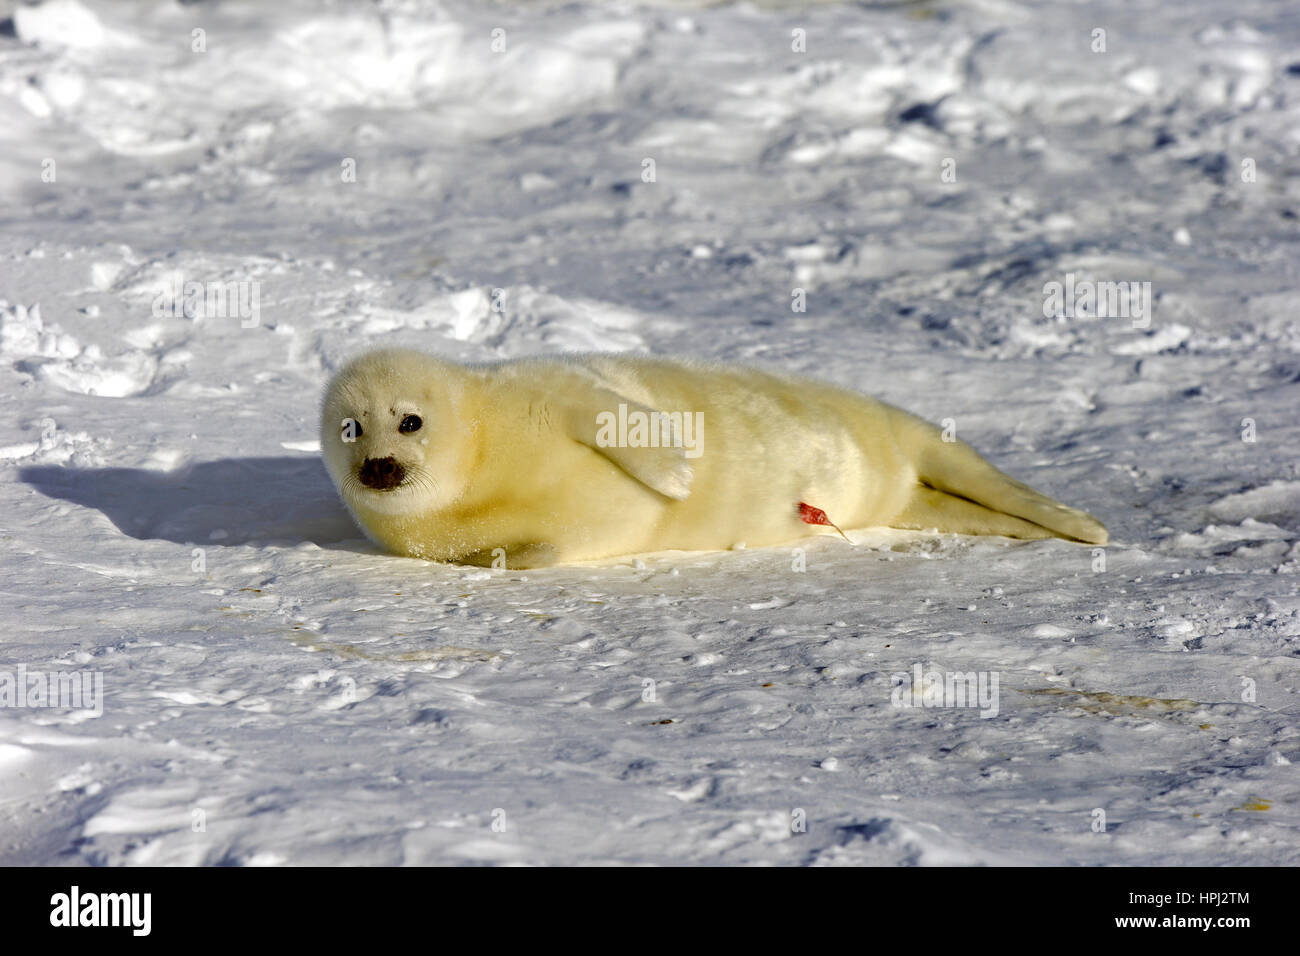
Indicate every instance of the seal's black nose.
{"type": "Point", "coordinates": [381, 474]}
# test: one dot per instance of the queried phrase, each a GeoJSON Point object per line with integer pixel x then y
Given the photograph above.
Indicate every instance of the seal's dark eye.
{"type": "Point", "coordinates": [351, 430]}
{"type": "Point", "coordinates": [411, 423]}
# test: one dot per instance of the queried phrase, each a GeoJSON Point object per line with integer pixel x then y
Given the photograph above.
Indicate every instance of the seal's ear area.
{"type": "Point", "coordinates": [591, 418]}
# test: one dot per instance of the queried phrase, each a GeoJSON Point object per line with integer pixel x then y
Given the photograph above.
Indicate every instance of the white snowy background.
{"type": "Point", "coordinates": [321, 702]}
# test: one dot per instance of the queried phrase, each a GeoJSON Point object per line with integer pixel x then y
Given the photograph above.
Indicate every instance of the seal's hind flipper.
{"type": "Point", "coordinates": [957, 469]}
{"type": "Point", "coordinates": [929, 509]}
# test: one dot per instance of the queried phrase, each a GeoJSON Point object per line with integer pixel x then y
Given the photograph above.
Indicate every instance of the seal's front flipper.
{"type": "Point", "coordinates": [645, 443]}
{"type": "Point", "coordinates": [537, 554]}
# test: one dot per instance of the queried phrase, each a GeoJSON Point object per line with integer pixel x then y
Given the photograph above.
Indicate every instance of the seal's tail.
{"type": "Point", "coordinates": [961, 492]}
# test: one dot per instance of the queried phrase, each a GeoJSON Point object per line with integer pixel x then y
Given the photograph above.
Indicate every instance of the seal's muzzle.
{"type": "Point", "coordinates": [381, 474]}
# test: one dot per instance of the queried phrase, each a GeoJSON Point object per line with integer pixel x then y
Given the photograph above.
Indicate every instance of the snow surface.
{"type": "Point", "coordinates": [320, 702]}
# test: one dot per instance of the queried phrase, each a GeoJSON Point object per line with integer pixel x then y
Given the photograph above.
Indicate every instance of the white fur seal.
{"type": "Point", "coordinates": [576, 457]}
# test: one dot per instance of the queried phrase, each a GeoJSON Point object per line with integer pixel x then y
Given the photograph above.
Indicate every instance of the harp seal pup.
{"type": "Point", "coordinates": [546, 460]}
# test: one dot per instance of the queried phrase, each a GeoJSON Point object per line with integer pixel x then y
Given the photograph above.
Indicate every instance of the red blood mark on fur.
{"type": "Point", "coordinates": [810, 515]}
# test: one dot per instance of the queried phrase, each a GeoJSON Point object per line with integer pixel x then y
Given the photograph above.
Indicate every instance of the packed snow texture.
{"type": "Point", "coordinates": [492, 180]}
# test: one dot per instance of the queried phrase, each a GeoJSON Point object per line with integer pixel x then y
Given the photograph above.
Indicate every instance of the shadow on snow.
{"type": "Point", "coordinates": [231, 501]}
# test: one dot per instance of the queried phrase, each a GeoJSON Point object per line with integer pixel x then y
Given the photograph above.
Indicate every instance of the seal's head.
{"type": "Point", "coordinates": [391, 434]}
